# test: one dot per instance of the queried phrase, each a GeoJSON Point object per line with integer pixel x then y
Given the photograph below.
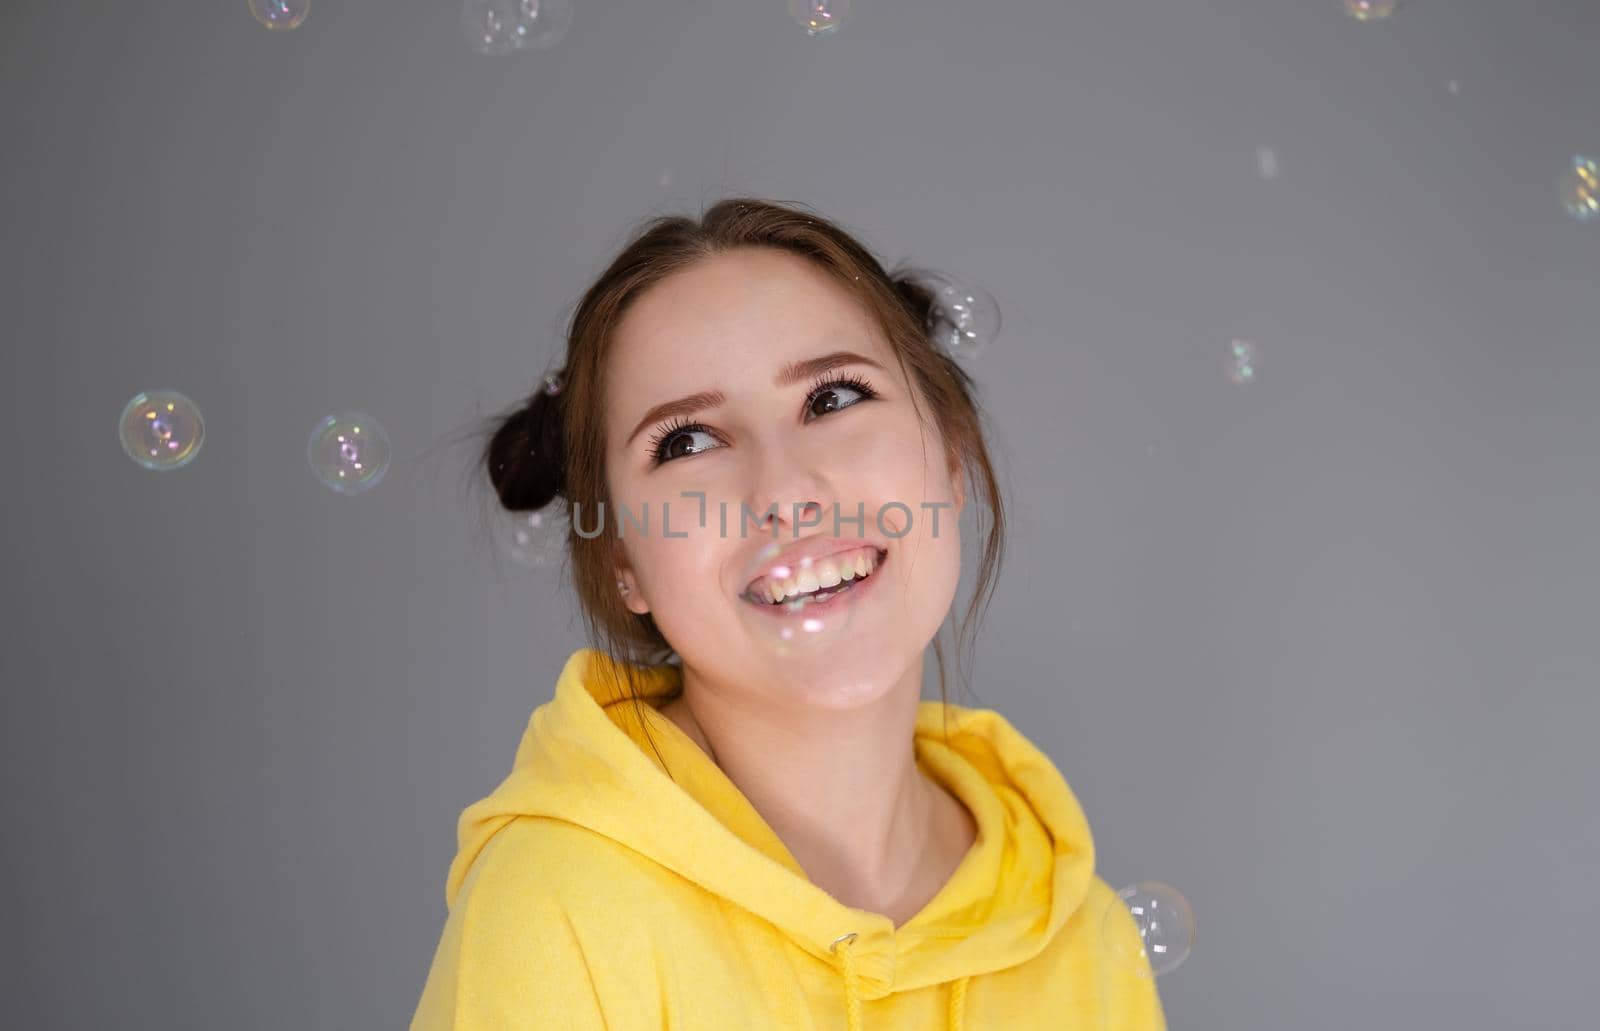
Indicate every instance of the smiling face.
{"type": "Point", "coordinates": [739, 327]}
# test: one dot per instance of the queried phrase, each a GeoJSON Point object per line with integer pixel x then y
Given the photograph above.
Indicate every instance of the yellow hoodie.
{"type": "Point", "coordinates": [590, 890]}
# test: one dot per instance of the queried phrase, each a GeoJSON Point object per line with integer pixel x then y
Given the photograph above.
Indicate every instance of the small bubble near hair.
{"type": "Point", "coordinates": [911, 287]}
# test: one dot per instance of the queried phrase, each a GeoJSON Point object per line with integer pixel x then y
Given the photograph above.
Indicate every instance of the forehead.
{"type": "Point", "coordinates": [739, 313]}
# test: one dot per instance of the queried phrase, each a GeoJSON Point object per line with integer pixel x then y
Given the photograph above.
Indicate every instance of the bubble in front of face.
{"type": "Point", "coordinates": [280, 14]}
{"type": "Point", "coordinates": [820, 17]}
{"type": "Point", "coordinates": [349, 452]}
{"type": "Point", "coordinates": [495, 27]}
{"type": "Point", "coordinates": [1241, 362]}
{"type": "Point", "coordinates": [1368, 10]}
{"type": "Point", "coordinates": [1162, 933]}
{"type": "Point", "coordinates": [1580, 189]}
{"type": "Point", "coordinates": [806, 608]}
{"type": "Point", "coordinates": [965, 319]}
{"type": "Point", "coordinates": [161, 430]}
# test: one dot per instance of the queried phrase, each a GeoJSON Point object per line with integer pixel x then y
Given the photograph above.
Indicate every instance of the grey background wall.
{"type": "Point", "coordinates": [1319, 650]}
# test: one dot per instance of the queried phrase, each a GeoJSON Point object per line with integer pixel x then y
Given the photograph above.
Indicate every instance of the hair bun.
{"type": "Point", "coordinates": [527, 454]}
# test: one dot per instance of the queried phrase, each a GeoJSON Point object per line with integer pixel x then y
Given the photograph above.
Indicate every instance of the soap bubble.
{"type": "Point", "coordinates": [161, 430]}
{"type": "Point", "coordinates": [535, 539]}
{"type": "Point", "coordinates": [1580, 190]}
{"type": "Point", "coordinates": [1368, 10]}
{"type": "Point", "coordinates": [1241, 362]}
{"type": "Point", "coordinates": [965, 320]}
{"type": "Point", "coordinates": [1266, 163]}
{"type": "Point", "coordinates": [280, 14]}
{"type": "Point", "coordinates": [512, 26]}
{"type": "Point", "coordinates": [1165, 926]}
{"type": "Point", "coordinates": [349, 452]}
{"type": "Point", "coordinates": [820, 17]}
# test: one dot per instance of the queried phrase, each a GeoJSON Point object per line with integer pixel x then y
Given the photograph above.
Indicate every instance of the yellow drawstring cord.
{"type": "Point", "coordinates": [852, 994]}
{"type": "Point", "coordinates": [958, 1004]}
{"type": "Point", "coordinates": [852, 998]}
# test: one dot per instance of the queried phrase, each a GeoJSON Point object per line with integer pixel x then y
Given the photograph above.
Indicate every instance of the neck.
{"type": "Point", "coordinates": [840, 787]}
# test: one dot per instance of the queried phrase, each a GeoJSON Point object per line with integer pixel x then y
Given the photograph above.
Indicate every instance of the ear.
{"type": "Point", "coordinates": [628, 587]}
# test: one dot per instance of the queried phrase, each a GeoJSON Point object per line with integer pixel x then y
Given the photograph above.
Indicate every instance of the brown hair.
{"type": "Point", "coordinates": [553, 443]}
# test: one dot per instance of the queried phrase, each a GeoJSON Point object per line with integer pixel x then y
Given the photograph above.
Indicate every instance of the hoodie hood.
{"type": "Point", "coordinates": [584, 759]}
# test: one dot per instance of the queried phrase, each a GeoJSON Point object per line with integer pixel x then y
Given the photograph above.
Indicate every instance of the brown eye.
{"type": "Point", "coordinates": [827, 398]}
{"type": "Point", "coordinates": [683, 444]}
{"type": "Point", "coordinates": [679, 442]}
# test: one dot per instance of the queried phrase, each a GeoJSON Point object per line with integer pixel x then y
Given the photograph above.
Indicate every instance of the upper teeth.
{"type": "Point", "coordinates": [815, 575]}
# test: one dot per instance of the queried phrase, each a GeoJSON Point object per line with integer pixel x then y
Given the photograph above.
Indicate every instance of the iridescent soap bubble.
{"type": "Point", "coordinates": [535, 539]}
{"type": "Point", "coordinates": [512, 26]}
{"type": "Point", "coordinates": [820, 17]}
{"type": "Point", "coordinates": [1580, 189]}
{"type": "Point", "coordinates": [1241, 362]}
{"type": "Point", "coordinates": [161, 430]}
{"type": "Point", "coordinates": [349, 452]}
{"type": "Point", "coordinates": [1368, 10]}
{"type": "Point", "coordinates": [1152, 930]}
{"type": "Point", "coordinates": [280, 14]}
{"type": "Point", "coordinates": [965, 319]}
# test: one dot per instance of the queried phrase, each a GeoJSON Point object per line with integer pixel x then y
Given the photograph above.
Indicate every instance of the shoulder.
{"type": "Point", "coordinates": [536, 855]}
{"type": "Point", "coordinates": [543, 928]}
{"type": "Point", "coordinates": [537, 867]}
{"type": "Point", "coordinates": [512, 947]}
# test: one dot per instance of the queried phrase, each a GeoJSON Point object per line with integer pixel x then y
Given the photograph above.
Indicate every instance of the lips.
{"type": "Point", "coordinates": [810, 614]}
{"type": "Point", "coordinates": [807, 553]}
{"type": "Point", "coordinates": [815, 581]}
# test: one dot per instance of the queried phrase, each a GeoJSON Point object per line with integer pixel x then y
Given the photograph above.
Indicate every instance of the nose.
{"type": "Point", "coordinates": [786, 492]}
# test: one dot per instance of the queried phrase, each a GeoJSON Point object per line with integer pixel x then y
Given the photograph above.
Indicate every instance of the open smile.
{"type": "Point", "coordinates": [827, 585]}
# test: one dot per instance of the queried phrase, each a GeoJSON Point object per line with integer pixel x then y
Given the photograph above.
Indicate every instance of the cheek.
{"type": "Point", "coordinates": [894, 470]}
{"type": "Point", "coordinates": [674, 566]}
{"type": "Point", "coordinates": [889, 455]}
{"type": "Point", "coordinates": [934, 538]}
{"type": "Point", "coordinates": [679, 575]}
{"type": "Point", "coordinates": [898, 465]}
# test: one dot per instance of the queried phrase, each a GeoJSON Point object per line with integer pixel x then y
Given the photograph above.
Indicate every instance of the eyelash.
{"type": "Point", "coordinates": [681, 425]}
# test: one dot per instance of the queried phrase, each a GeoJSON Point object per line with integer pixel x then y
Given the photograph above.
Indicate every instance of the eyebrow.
{"type": "Point", "coordinates": [792, 373]}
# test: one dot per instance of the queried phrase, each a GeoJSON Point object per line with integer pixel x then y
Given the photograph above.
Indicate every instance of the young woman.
{"type": "Point", "coordinates": [737, 812]}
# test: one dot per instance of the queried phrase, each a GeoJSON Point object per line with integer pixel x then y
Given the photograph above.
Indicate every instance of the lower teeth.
{"type": "Point", "coordinates": [818, 596]}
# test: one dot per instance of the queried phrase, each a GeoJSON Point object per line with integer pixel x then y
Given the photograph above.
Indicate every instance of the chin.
{"type": "Point", "coordinates": [844, 678]}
